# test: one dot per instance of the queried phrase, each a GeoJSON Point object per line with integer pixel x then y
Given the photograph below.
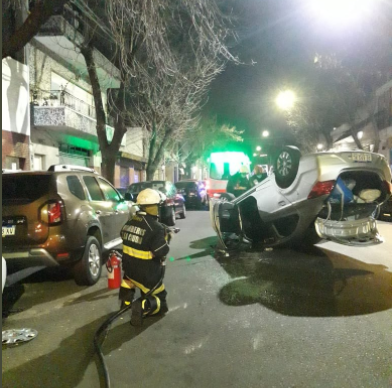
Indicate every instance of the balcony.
{"type": "Point", "coordinates": [60, 110]}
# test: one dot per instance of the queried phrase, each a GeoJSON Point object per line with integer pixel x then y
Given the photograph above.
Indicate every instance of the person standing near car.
{"type": "Point", "coordinates": [239, 183]}
{"type": "Point", "coordinates": [259, 175]}
{"type": "Point", "coordinates": [144, 249]}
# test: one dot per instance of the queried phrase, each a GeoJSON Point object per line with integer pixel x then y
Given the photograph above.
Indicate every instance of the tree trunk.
{"type": "Point", "coordinates": [153, 162]}
{"type": "Point", "coordinates": [376, 135]}
{"type": "Point", "coordinates": [40, 14]}
{"type": "Point", "coordinates": [328, 139]}
{"type": "Point", "coordinates": [355, 137]}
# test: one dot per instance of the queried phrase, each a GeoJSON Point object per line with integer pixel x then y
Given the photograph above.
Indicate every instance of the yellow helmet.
{"type": "Point", "coordinates": [148, 197]}
{"type": "Point", "coordinates": [244, 170]}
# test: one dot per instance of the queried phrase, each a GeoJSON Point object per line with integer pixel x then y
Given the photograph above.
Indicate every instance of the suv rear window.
{"type": "Point", "coordinates": [24, 188]}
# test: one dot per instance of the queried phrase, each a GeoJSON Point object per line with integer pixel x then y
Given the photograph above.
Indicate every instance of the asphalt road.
{"type": "Point", "coordinates": [277, 318]}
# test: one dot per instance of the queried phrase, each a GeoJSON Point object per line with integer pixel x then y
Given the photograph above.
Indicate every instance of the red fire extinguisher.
{"type": "Point", "coordinates": [113, 265]}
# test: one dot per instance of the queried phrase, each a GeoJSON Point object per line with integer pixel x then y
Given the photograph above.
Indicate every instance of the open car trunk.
{"type": "Point", "coordinates": [350, 211]}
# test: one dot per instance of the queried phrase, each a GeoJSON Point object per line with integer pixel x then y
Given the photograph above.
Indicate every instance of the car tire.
{"type": "Point", "coordinates": [88, 270]}
{"type": "Point", "coordinates": [227, 196]}
{"type": "Point", "coordinates": [171, 220]}
{"type": "Point", "coordinates": [286, 166]}
{"type": "Point", "coordinates": [183, 212]}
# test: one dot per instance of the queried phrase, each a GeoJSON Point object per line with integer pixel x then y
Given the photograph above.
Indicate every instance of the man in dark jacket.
{"type": "Point", "coordinates": [239, 182]}
{"type": "Point", "coordinates": [259, 175]}
{"type": "Point", "coordinates": [144, 249]}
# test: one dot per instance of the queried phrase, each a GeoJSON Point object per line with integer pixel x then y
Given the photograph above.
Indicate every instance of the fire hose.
{"type": "Point", "coordinates": [105, 325]}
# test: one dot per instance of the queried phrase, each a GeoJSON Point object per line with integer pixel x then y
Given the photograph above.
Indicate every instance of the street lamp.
{"type": "Point", "coordinates": [286, 100]}
{"type": "Point", "coordinates": [258, 148]}
{"type": "Point", "coordinates": [265, 134]}
{"type": "Point", "coordinates": [320, 146]}
{"type": "Point", "coordinates": [338, 11]}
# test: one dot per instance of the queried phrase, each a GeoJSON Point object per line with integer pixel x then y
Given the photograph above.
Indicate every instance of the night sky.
{"type": "Point", "coordinates": [280, 38]}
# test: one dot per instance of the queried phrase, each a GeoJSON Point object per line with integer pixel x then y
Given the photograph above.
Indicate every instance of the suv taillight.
{"type": "Point", "coordinates": [51, 213]}
{"type": "Point", "coordinates": [321, 188]}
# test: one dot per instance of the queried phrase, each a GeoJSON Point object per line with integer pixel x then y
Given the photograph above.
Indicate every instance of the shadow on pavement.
{"type": "Point", "coordinates": [64, 367]}
{"type": "Point", "coordinates": [207, 244]}
{"type": "Point", "coordinates": [309, 284]}
{"type": "Point", "coordinates": [93, 296]}
{"type": "Point", "coordinates": [65, 286]}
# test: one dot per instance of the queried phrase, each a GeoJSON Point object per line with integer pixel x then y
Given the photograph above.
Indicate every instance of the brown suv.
{"type": "Point", "coordinates": [67, 216]}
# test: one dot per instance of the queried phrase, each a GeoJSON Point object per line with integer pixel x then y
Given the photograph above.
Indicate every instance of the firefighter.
{"type": "Point", "coordinates": [239, 183]}
{"type": "Point", "coordinates": [144, 249]}
{"type": "Point", "coordinates": [259, 175]}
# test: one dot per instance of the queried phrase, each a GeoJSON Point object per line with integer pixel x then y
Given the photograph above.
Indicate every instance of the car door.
{"type": "Point", "coordinates": [120, 209]}
{"type": "Point", "coordinates": [102, 207]}
{"type": "Point", "coordinates": [177, 198]}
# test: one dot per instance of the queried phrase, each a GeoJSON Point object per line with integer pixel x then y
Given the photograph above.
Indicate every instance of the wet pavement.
{"type": "Point", "coordinates": [277, 318]}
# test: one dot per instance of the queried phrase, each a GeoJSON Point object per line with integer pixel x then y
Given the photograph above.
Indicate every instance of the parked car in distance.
{"type": "Point", "coordinates": [330, 195]}
{"type": "Point", "coordinates": [173, 203]}
{"type": "Point", "coordinates": [121, 190]}
{"type": "Point", "coordinates": [68, 216]}
{"type": "Point", "coordinates": [193, 191]}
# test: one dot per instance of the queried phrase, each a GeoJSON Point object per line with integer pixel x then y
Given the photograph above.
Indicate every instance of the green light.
{"type": "Point", "coordinates": [171, 259]}
{"type": "Point", "coordinates": [232, 159]}
{"type": "Point", "coordinates": [188, 259]}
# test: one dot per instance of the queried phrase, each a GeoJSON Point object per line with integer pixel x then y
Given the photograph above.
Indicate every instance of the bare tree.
{"type": "Point", "coordinates": [170, 52]}
{"type": "Point", "coordinates": [200, 140]}
{"type": "Point", "coordinates": [40, 12]}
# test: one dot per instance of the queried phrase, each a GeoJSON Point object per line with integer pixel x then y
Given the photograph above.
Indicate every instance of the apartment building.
{"type": "Point", "coordinates": [382, 108]}
{"type": "Point", "coordinates": [48, 107]}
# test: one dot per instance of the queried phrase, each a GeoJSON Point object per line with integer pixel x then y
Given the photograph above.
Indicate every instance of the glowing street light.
{"type": "Point", "coordinates": [265, 134]}
{"type": "Point", "coordinates": [258, 148]}
{"type": "Point", "coordinates": [320, 146]}
{"type": "Point", "coordinates": [340, 11]}
{"type": "Point", "coordinates": [286, 100]}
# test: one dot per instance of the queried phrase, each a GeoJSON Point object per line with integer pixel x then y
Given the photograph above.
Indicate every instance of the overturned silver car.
{"type": "Point", "coordinates": [330, 195]}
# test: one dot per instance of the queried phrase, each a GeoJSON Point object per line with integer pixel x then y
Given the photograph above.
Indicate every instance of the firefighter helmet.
{"type": "Point", "coordinates": [148, 197]}
{"type": "Point", "coordinates": [244, 170]}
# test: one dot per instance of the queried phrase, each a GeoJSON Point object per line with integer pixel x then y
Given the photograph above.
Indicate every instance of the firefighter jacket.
{"type": "Point", "coordinates": [238, 185]}
{"type": "Point", "coordinates": [144, 246]}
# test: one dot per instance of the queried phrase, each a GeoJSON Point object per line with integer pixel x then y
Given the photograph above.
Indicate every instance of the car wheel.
{"type": "Point", "coordinates": [286, 166]}
{"type": "Point", "coordinates": [171, 220]}
{"type": "Point", "coordinates": [88, 270]}
{"type": "Point", "coordinates": [183, 212]}
{"type": "Point", "coordinates": [227, 196]}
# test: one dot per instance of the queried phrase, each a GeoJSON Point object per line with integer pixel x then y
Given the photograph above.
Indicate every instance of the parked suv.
{"type": "Point", "coordinates": [67, 216]}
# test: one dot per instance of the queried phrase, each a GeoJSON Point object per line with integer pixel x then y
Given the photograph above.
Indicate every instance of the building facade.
{"type": "Point", "coordinates": [382, 108]}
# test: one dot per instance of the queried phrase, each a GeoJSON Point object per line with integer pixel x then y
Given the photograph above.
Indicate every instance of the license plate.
{"type": "Point", "coordinates": [359, 157]}
{"type": "Point", "coordinates": [8, 230]}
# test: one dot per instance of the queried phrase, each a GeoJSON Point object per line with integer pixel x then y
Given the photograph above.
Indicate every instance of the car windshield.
{"type": "Point", "coordinates": [186, 185]}
{"type": "Point", "coordinates": [156, 185]}
{"type": "Point", "coordinates": [24, 188]}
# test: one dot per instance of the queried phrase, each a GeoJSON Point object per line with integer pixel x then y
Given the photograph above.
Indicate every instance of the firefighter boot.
{"type": "Point", "coordinates": [125, 295]}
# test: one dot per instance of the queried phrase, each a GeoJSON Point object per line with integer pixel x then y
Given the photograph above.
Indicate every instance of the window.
{"type": "Point", "coordinates": [109, 192]}
{"type": "Point", "coordinates": [24, 189]}
{"type": "Point", "coordinates": [170, 190]}
{"type": "Point", "coordinates": [93, 188]}
{"type": "Point", "coordinates": [135, 189]}
{"type": "Point", "coordinates": [75, 187]}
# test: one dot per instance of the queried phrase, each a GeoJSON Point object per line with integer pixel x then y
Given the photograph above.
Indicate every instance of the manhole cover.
{"type": "Point", "coordinates": [15, 336]}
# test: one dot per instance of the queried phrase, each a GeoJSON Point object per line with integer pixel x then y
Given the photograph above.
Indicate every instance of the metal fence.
{"type": "Point", "coordinates": [57, 98]}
